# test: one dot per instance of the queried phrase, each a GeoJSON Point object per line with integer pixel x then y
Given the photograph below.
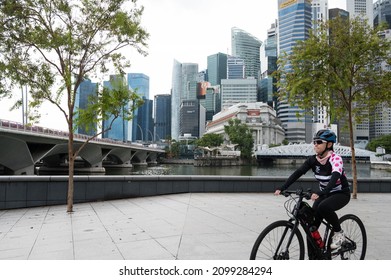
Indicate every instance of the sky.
{"type": "Point", "coordinates": [187, 31]}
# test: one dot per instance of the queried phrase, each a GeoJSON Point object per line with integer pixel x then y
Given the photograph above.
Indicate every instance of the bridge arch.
{"type": "Point", "coordinates": [301, 151]}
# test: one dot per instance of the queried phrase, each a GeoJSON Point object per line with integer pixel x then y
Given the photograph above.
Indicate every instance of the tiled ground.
{"type": "Point", "coordinates": [184, 226]}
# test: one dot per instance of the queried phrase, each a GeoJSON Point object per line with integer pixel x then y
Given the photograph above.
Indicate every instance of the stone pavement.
{"type": "Point", "coordinates": [189, 226]}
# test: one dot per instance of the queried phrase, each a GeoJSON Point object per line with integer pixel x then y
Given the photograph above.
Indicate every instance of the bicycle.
{"type": "Point", "coordinates": [283, 240]}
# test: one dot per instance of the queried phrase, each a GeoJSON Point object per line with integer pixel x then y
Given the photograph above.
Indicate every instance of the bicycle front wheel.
{"type": "Point", "coordinates": [272, 242]}
{"type": "Point", "coordinates": [355, 246]}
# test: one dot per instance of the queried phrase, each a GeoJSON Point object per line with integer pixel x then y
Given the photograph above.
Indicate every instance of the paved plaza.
{"type": "Point", "coordinates": [189, 226]}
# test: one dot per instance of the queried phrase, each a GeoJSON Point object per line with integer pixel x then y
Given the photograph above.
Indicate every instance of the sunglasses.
{"type": "Point", "coordinates": [319, 142]}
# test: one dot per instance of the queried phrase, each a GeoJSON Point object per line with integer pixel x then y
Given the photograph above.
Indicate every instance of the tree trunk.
{"type": "Point", "coordinates": [353, 152]}
{"type": "Point", "coordinates": [71, 168]}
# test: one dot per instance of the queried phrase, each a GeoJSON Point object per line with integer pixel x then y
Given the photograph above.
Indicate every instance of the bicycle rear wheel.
{"type": "Point", "coordinates": [272, 241]}
{"type": "Point", "coordinates": [355, 247]}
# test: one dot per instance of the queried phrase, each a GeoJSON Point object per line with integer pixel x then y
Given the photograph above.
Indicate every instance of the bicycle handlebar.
{"type": "Point", "coordinates": [299, 192]}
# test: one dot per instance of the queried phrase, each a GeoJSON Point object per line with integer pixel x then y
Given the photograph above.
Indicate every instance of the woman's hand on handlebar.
{"type": "Point", "coordinates": [314, 196]}
{"type": "Point", "coordinates": [277, 192]}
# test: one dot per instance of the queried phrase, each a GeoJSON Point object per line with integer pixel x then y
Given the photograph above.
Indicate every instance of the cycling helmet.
{"type": "Point", "coordinates": [326, 135]}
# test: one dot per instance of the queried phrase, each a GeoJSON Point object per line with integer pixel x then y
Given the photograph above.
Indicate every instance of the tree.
{"type": "Point", "coordinates": [240, 134]}
{"type": "Point", "coordinates": [383, 141]}
{"type": "Point", "coordinates": [210, 140]}
{"type": "Point", "coordinates": [51, 46]}
{"type": "Point", "coordinates": [338, 67]}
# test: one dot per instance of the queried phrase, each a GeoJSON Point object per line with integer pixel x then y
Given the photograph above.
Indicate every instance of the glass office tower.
{"type": "Point", "coordinates": [120, 128]}
{"type": "Point", "coordinates": [142, 117]}
{"type": "Point", "coordinates": [83, 93]}
{"type": "Point", "coordinates": [267, 83]}
{"type": "Point", "coordinates": [217, 68]}
{"type": "Point", "coordinates": [382, 12]}
{"type": "Point", "coordinates": [162, 116]}
{"type": "Point", "coordinates": [235, 68]}
{"type": "Point", "coordinates": [295, 22]}
{"type": "Point", "coordinates": [184, 87]}
{"type": "Point", "coordinates": [247, 47]}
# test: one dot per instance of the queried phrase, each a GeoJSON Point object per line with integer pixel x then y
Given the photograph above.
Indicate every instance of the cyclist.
{"type": "Point", "coordinates": [334, 192]}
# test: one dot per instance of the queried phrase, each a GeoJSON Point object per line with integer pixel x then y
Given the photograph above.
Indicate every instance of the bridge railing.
{"type": "Point", "coordinates": [48, 131]}
{"type": "Point", "coordinates": [34, 129]}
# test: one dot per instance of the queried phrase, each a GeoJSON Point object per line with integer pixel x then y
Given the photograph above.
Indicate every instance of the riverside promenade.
{"type": "Point", "coordinates": [187, 226]}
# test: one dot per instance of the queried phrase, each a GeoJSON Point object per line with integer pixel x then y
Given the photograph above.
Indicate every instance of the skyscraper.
{"type": "Point", "coordinates": [361, 8]}
{"type": "Point", "coordinates": [217, 68]}
{"type": "Point", "coordinates": [120, 127]}
{"type": "Point", "coordinates": [247, 47]}
{"type": "Point", "coordinates": [238, 91]}
{"type": "Point", "coordinates": [319, 12]}
{"type": "Point", "coordinates": [189, 119]}
{"type": "Point", "coordinates": [382, 12]}
{"type": "Point", "coordinates": [235, 68]}
{"type": "Point", "coordinates": [294, 24]}
{"type": "Point", "coordinates": [267, 87]}
{"type": "Point", "coordinates": [83, 93]}
{"type": "Point", "coordinates": [162, 116]}
{"type": "Point", "coordinates": [380, 124]}
{"type": "Point", "coordinates": [184, 87]}
{"type": "Point", "coordinates": [142, 117]}
{"type": "Point", "coordinates": [143, 124]}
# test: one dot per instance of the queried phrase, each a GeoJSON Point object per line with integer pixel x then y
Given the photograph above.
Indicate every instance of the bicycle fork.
{"type": "Point", "coordinates": [284, 254]}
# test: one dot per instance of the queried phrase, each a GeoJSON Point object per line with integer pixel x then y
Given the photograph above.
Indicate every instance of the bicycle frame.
{"type": "Point", "coordinates": [320, 253]}
{"type": "Point", "coordinates": [283, 239]}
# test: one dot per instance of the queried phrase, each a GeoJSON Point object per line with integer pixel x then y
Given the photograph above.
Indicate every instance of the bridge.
{"type": "Point", "coordinates": [293, 152]}
{"type": "Point", "coordinates": [29, 150]}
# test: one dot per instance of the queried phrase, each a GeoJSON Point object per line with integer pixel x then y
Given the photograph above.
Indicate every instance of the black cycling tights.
{"type": "Point", "coordinates": [326, 205]}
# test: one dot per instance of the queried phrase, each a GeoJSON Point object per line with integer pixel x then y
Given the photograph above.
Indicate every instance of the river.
{"type": "Point", "coordinates": [363, 170]}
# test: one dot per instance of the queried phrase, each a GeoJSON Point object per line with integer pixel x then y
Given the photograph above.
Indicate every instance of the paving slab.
{"type": "Point", "coordinates": [188, 226]}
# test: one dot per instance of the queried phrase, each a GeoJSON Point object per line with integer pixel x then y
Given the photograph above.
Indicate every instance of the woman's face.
{"type": "Point", "coordinates": [319, 146]}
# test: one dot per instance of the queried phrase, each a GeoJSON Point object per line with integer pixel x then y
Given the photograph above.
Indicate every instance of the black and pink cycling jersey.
{"type": "Point", "coordinates": [331, 175]}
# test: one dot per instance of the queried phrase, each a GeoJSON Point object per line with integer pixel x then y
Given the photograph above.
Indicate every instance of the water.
{"type": "Point", "coordinates": [363, 170]}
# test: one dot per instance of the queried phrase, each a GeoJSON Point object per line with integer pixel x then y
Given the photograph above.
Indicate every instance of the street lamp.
{"type": "Point", "coordinates": [150, 134]}
{"type": "Point", "coordinates": [142, 135]}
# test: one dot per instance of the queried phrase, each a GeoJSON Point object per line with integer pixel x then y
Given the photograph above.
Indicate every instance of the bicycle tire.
{"type": "Point", "coordinates": [265, 247]}
{"type": "Point", "coordinates": [353, 229]}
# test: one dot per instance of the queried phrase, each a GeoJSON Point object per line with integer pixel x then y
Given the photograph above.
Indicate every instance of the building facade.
{"type": "Point", "coordinates": [380, 124]}
{"type": "Point", "coordinates": [162, 116]}
{"type": "Point", "coordinates": [320, 12]}
{"type": "Point", "coordinates": [184, 87]}
{"type": "Point", "coordinates": [382, 12]}
{"type": "Point", "coordinates": [236, 68]}
{"type": "Point", "coordinates": [142, 121]}
{"type": "Point", "coordinates": [192, 118]}
{"type": "Point", "coordinates": [294, 24]}
{"type": "Point", "coordinates": [258, 116]}
{"type": "Point", "coordinates": [86, 90]}
{"type": "Point", "coordinates": [267, 83]}
{"type": "Point", "coordinates": [362, 9]}
{"type": "Point", "coordinates": [238, 91]}
{"type": "Point", "coordinates": [120, 128]}
{"type": "Point", "coordinates": [247, 47]}
{"type": "Point", "coordinates": [217, 68]}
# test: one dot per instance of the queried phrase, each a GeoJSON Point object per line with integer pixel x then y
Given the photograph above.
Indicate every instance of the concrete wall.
{"type": "Point", "coordinates": [30, 191]}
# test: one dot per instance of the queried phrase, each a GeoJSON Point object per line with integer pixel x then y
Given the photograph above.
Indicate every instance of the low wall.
{"type": "Point", "coordinates": [30, 191]}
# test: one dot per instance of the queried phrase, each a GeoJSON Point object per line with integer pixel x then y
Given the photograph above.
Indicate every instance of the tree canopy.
{"type": "Point", "coordinates": [239, 133]}
{"type": "Point", "coordinates": [52, 46]}
{"type": "Point", "coordinates": [383, 141]}
{"type": "Point", "coordinates": [339, 67]}
{"type": "Point", "coordinates": [210, 140]}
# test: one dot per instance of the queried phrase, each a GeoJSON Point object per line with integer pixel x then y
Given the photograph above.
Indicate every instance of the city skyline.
{"type": "Point", "coordinates": [184, 31]}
